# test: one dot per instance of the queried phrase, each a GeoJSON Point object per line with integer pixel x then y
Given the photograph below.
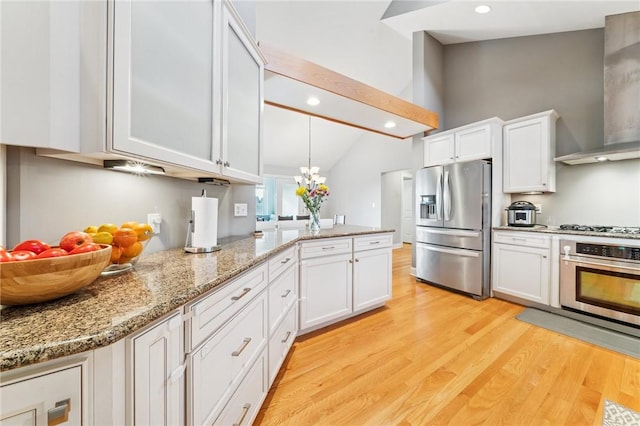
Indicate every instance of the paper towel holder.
{"type": "Point", "coordinates": [188, 245]}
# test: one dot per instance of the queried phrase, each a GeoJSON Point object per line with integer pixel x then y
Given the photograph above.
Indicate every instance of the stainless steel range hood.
{"type": "Point", "coordinates": [621, 93]}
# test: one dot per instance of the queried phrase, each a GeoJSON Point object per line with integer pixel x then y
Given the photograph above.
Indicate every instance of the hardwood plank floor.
{"type": "Point", "coordinates": [434, 357]}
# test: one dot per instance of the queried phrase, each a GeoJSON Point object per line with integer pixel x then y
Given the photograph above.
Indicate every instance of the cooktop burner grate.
{"type": "Point", "coordinates": [600, 228]}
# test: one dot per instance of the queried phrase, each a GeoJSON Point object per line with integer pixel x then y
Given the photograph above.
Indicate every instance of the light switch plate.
{"type": "Point", "coordinates": [240, 209]}
{"type": "Point", "coordinates": [154, 219]}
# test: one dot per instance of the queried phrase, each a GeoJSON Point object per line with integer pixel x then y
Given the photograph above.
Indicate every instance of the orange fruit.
{"type": "Point", "coordinates": [107, 227]}
{"type": "Point", "coordinates": [133, 250]}
{"type": "Point", "coordinates": [131, 224]}
{"type": "Point", "coordinates": [124, 237]}
{"type": "Point", "coordinates": [144, 231]}
{"type": "Point", "coordinates": [124, 259]}
{"type": "Point", "coordinates": [116, 252]}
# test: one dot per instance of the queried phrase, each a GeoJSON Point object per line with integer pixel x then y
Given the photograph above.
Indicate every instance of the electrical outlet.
{"type": "Point", "coordinates": [538, 208]}
{"type": "Point", "coordinates": [154, 219]}
{"type": "Point", "coordinates": [240, 209]}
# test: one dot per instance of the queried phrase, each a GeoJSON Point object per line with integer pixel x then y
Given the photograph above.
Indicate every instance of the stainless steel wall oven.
{"type": "Point", "coordinates": [601, 279]}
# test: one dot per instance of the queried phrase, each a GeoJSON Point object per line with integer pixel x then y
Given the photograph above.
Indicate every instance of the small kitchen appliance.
{"type": "Point", "coordinates": [202, 231]}
{"type": "Point", "coordinates": [521, 213]}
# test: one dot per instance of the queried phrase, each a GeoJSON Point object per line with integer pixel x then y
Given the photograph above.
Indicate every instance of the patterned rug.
{"type": "Point", "coordinates": [617, 415]}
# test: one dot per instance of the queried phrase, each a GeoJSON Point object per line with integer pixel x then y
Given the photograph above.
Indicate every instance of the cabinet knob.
{"type": "Point", "coordinates": [227, 164]}
{"type": "Point", "coordinates": [218, 161]}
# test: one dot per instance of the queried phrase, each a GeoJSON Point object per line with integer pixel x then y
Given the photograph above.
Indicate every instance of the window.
{"type": "Point", "coordinates": [277, 197]}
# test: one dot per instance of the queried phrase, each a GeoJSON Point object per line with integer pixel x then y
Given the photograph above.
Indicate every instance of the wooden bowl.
{"type": "Point", "coordinates": [41, 280]}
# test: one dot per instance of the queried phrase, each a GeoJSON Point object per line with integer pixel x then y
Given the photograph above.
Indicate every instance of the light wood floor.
{"type": "Point", "coordinates": [434, 357]}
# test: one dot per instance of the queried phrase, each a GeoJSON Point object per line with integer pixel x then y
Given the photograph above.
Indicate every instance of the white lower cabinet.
{"type": "Point", "coordinates": [51, 396]}
{"type": "Point", "coordinates": [338, 280]}
{"type": "Point", "coordinates": [220, 364]}
{"type": "Point", "coordinates": [281, 341]}
{"type": "Point", "coordinates": [158, 374]}
{"type": "Point", "coordinates": [521, 266]}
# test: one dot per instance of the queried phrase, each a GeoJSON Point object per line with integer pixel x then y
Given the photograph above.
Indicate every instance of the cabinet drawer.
{"type": "Point", "coordinates": [245, 403]}
{"type": "Point", "coordinates": [373, 242]}
{"type": "Point", "coordinates": [325, 247]}
{"type": "Point", "coordinates": [281, 341]}
{"type": "Point", "coordinates": [51, 396]}
{"type": "Point", "coordinates": [219, 365]}
{"type": "Point", "coordinates": [208, 314]}
{"type": "Point", "coordinates": [281, 261]}
{"type": "Point", "coordinates": [526, 239]}
{"type": "Point", "coordinates": [282, 294]}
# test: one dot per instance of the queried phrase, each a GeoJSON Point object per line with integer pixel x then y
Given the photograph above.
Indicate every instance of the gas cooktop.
{"type": "Point", "coordinates": [600, 228]}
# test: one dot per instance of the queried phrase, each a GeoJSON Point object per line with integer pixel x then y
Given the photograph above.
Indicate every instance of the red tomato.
{"type": "Point", "coordinates": [23, 255]}
{"type": "Point", "coordinates": [53, 252]}
{"type": "Point", "coordinates": [35, 246]}
{"type": "Point", "coordinates": [85, 248]}
{"type": "Point", "coordinates": [5, 256]}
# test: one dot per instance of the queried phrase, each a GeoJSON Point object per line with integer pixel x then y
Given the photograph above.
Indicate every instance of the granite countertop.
{"type": "Point", "coordinates": [113, 307]}
{"type": "Point", "coordinates": [555, 230]}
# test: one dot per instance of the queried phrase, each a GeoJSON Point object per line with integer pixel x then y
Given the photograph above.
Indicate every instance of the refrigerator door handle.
{"type": "Point", "coordinates": [446, 198]}
{"type": "Point", "coordinates": [447, 231]}
{"type": "Point", "coordinates": [457, 252]}
{"type": "Point", "coordinates": [439, 198]}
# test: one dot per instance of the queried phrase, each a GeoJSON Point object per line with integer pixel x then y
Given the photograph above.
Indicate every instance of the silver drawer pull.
{"type": "Point", "coordinates": [374, 242]}
{"type": "Point", "coordinates": [357, 260]}
{"type": "Point", "coordinates": [245, 342]}
{"type": "Point", "coordinates": [328, 248]}
{"type": "Point", "coordinates": [286, 293]}
{"type": "Point", "coordinates": [245, 410]}
{"type": "Point", "coordinates": [286, 337]}
{"type": "Point", "coordinates": [59, 414]}
{"type": "Point", "coordinates": [244, 293]}
{"type": "Point", "coordinates": [282, 262]}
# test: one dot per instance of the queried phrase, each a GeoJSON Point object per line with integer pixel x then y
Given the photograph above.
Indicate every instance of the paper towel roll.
{"type": "Point", "coordinates": [204, 231]}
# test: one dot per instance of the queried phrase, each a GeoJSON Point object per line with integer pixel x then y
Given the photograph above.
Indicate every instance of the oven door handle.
{"type": "Point", "coordinates": [606, 265]}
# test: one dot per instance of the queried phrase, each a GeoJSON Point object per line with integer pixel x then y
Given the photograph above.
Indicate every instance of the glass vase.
{"type": "Point", "coordinates": [314, 221]}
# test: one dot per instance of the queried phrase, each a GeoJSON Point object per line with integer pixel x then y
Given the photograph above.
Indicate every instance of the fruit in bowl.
{"type": "Point", "coordinates": [51, 274]}
{"type": "Point", "coordinates": [127, 243]}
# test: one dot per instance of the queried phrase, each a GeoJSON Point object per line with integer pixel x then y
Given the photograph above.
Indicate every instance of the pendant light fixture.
{"type": "Point", "coordinates": [310, 174]}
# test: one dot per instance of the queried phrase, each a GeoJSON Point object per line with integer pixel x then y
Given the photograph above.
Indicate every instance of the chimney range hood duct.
{"type": "Point", "coordinates": [621, 93]}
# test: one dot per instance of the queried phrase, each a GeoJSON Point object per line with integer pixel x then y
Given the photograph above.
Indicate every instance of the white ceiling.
{"type": "Point", "coordinates": [351, 38]}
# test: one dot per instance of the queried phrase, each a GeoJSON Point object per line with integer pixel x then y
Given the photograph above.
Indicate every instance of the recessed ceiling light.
{"type": "Point", "coordinates": [389, 125]}
{"type": "Point", "coordinates": [313, 101]}
{"type": "Point", "coordinates": [483, 8]}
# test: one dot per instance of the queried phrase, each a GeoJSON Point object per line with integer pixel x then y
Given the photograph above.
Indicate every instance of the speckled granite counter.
{"type": "Point", "coordinates": [546, 230]}
{"type": "Point", "coordinates": [114, 307]}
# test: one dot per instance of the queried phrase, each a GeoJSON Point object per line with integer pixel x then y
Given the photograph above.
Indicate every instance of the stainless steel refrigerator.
{"type": "Point", "coordinates": [453, 226]}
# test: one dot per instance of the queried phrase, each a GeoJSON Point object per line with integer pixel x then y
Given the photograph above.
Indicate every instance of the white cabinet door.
{"type": "Point", "coordinates": [439, 149]}
{"type": "Point", "coordinates": [52, 397]}
{"type": "Point", "coordinates": [473, 143]}
{"type": "Point", "coordinates": [371, 278]}
{"type": "Point", "coordinates": [325, 289]}
{"type": "Point", "coordinates": [40, 73]}
{"type": "Point", "coordinates": [163, 74]}
{"type": "Point", "coordinates": [242, 96]}
{"type": "Point", "coordinates": [521, 271]}
{"type": "Point", "coordinates": [158, 384]}
{"type": "Point", "coordinates": [529, 148]}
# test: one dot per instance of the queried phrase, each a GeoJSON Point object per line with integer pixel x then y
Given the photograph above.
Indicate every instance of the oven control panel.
{"type": "Point", "coordinates": [604, 250]}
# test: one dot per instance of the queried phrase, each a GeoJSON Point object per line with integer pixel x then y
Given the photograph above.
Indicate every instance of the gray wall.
{"type": "Point", "coordinates": [48, 197]}
{"type": "Point", "coordinates": [514, 77]}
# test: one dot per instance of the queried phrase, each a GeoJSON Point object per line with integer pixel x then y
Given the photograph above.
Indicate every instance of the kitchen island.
{"type": "Point", "coordinates": [112, 308]}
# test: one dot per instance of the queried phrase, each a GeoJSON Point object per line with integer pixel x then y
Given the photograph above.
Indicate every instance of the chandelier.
{"type": "Point", "coordinates": [310, 175]}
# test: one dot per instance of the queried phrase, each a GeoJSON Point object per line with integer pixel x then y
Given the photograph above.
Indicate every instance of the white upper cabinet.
{"type": "Point", "coordinates": [163, 76]}
{"type": "Point", "coordinates": [529, 149]}
{"type": "Point", "coordinates": [471, 142]}
{"type": "Point", "coordinates": [242, 100]}
{"type": "Point", "coordinates": [40, 74]}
